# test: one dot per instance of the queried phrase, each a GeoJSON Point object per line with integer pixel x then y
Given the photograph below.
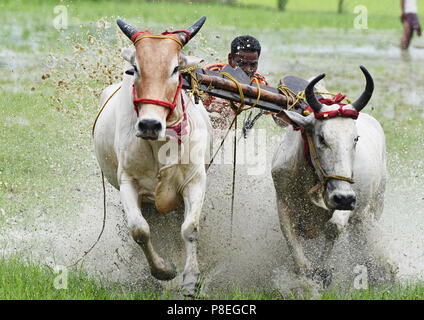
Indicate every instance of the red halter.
{"type": "Point", "coordinates": [180, 129]}
{"type": "Point", "coordinates": [166, 104]}
{"type": "Point", "coordinates": [161, 103]}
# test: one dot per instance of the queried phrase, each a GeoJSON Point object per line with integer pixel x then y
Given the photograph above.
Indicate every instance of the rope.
{"type": "Point", "coordinates": [300, 96]}
{"type": "Point", "coordinates": [194, 83]}
{"type": "Point", "coordinates": [236, 109]}
{"type": "Point", "coordinates": [159, 37]}
{"type": "Point", "coordinates": [222, 142]}
{"type": "Point", "coordinates": [234, 174]}
{"type": "Point", "coordinates": [323, 176]}
{"type": "Point", "coordinates": [101, 109]}
{"type": "Point", "coordinates": [288, 93]}
{"type": "Point", "coordinates": [257, 98]}
{"type": "Point", "coordinates": [103, 186]}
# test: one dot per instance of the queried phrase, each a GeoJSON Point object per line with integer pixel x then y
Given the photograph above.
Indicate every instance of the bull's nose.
{"type": "Point", "coordinates": [344, 201]}
{"type": "Point", "coordinates": [149, 129]}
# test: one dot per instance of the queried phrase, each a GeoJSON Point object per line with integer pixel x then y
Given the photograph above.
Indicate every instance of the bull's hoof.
{"type": "Point", "coordinates": [323, 277]}
{"type": "Point", "coordinates": [190, 284]}
{"type": "Point", "coordinates": [168, 272]}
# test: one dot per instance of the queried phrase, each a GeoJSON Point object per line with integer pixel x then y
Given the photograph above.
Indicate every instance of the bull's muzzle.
{"type": "Point", "coordinates": [149, 129]}
{"type": "Point", "coordinates": [343, 201]}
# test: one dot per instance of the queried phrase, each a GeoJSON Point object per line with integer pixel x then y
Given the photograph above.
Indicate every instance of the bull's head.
{"type": "Point", "coordinates": [157, 63]}
{"type": "Point", "coordinates": [335, 142]}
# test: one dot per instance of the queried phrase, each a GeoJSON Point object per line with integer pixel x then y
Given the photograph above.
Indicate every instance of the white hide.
{"type": "Point", "coordinates": [294, 177]}
{"type": "Point", "coordinates": [132, 165]}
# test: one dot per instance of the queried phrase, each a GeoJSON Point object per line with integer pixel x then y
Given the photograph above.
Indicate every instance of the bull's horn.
{"type": "Point", "coordinates": [127, 29]}
{"type": "Point", "coordinates": [366, 95]}
{"type": "Point", "coordinates": [192, 30]}
{"type": "Point", "coordinates": [310, 95]}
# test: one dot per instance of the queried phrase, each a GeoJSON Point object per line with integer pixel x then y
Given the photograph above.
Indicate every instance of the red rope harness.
{"type": "Point", "coordinates": [135, 35]}
{"type": "Point", "coordinates": [161, 103]}
{"type": "Point", "coordinates": [178, 31]}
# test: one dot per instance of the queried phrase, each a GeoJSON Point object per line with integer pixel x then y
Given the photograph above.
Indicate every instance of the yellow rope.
{"type": "Point", "coordinates": [241, 108]}
{"type": "Point", "coordinates": [323, 176]}
{"type": "Point", "coordinates": [288, 93]}
{"type": "Point", "coordinates": [242, 103]}
{"type": "Point", "coordinates": [300, 96]}
{"type": "Point", "coordinates": [159, 37]}
{"type": "Point", "coordinates": [101, 109]}
{"type": "Point", "coordinates": [257, 98]}
{"type": "Point", "coordinates": [194, 82]}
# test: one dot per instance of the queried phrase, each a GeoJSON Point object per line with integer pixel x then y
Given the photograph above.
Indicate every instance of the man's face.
{"type": "Point", "coordinates": [246, 60]}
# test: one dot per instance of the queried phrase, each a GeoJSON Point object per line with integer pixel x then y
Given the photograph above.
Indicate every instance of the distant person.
{"type": "Point", "coordinates": [245, 52]}
{"type": "Point", "coordinates": [410, 22]}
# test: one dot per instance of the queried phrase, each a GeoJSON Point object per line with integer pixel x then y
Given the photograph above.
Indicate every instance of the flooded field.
{"type": "Point", "coordinates": [51, 193]}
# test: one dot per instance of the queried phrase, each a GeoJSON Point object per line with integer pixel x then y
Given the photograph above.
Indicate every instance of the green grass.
{"type": "Point", "coordinates": [408, 291]}
{"type": "Point", "coordinates": [375, 7]}
{"type": "Point", "coordinates": [28, 281]}
{"type": "Point", "coordinates": [303, 13]}
{"type": "Point", "coordinates": [19, 281]}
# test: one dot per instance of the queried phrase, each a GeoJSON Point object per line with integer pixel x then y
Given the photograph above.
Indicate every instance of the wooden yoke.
{"type": "Point", "coordinates": [216, 84]}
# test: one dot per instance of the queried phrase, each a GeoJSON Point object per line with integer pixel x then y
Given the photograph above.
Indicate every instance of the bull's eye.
{"type": "Point", "coordinates": [175, 70]}
{"type": "Point", "coordinates": [321, 140]}
{"type": "Point", "coordinates": [356, 139]}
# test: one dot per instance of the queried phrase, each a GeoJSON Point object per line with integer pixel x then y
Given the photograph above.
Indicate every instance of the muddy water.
{"type": "Point", "coordinates": [247, 249]}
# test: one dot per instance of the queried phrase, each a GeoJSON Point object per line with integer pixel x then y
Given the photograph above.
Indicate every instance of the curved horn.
{"type": "Point", "coordinates": [127, 29]}
{"type": "Point", "coordinates": [366, 95]}
{"type": "Point", "coordinates": [192, 30]}
{"type": "Point", "coordinates": [310, 96]}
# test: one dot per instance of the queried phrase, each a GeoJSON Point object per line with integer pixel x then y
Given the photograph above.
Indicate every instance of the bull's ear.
{"type": "Point", "coordinates": [189, 61]}
{"type": "Point", "coordinates": [129, 54]}
{"type": "Point", "coordinates": [295, 119]}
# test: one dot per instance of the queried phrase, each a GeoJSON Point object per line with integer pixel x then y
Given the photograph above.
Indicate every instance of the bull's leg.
{"type": "Point", "coordinates": [302, 264]}
{"type": "Point", "coordinates": [161, 269]}
{"type": "Point", "coordinates": [332, 230]}
{"type": "Point", "coordinates": [193, 195]}
{"type": "Point", "coordinates": [370, 252]}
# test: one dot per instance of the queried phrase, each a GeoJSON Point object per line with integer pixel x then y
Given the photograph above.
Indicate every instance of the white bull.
{"type": "Point", "coordinates": [131, 145]}
{"type": "Point", "coordinates": [344, 186]}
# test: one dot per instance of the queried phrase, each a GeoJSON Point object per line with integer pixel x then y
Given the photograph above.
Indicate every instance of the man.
{"type": "Point", "coordinates": [410, 22]}
{"type": "Point", "coordinates": [245, 52]}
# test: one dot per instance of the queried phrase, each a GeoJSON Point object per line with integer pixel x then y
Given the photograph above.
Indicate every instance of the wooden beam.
{"type": "Point", "coordinates": [217, 85]}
